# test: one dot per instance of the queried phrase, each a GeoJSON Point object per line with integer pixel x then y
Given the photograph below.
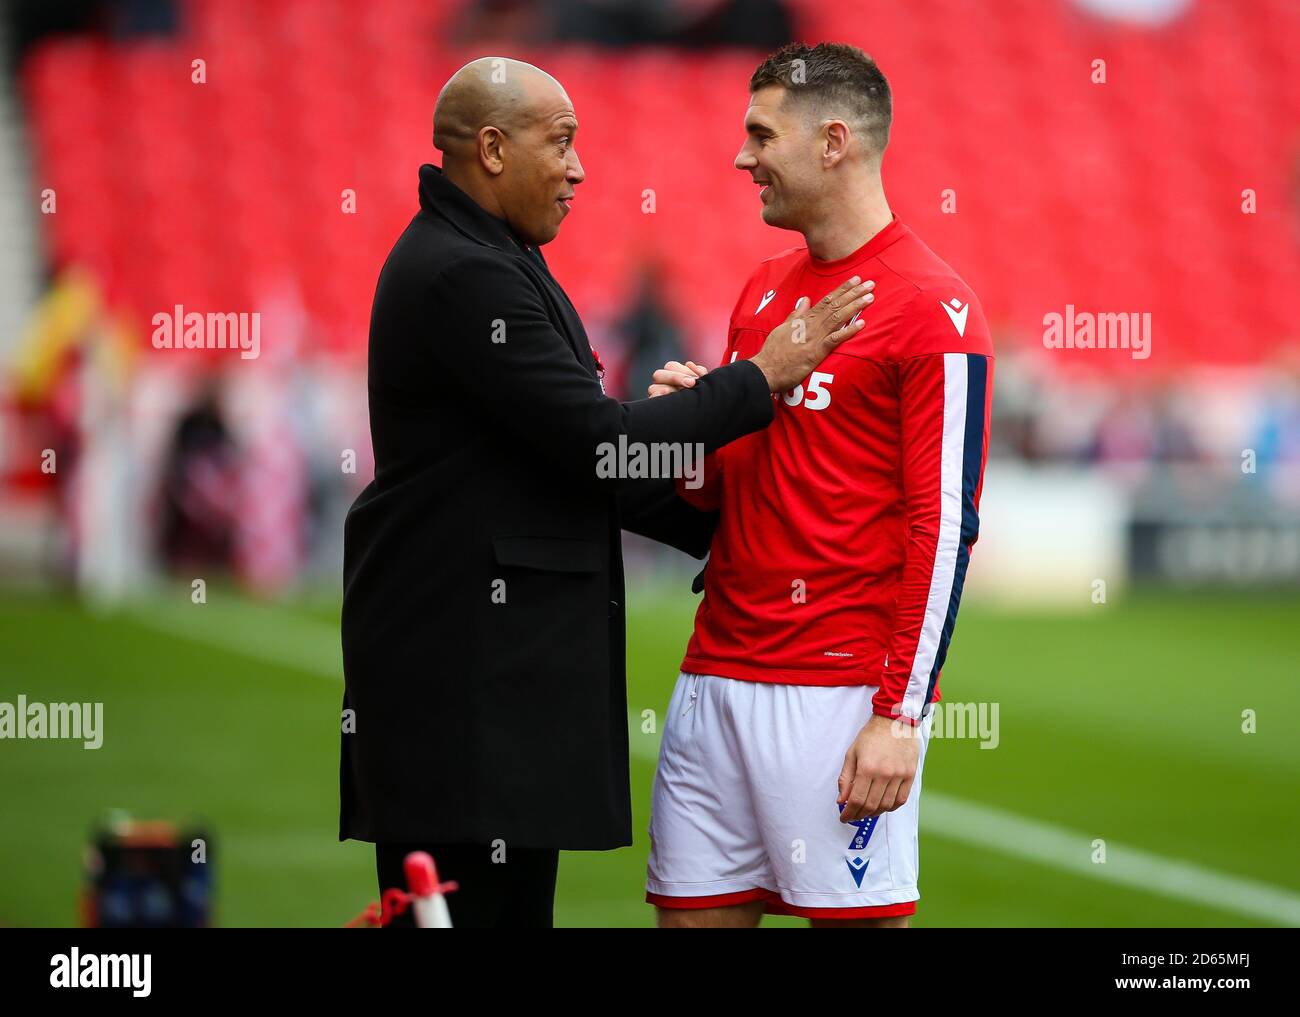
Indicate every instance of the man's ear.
{"type": "Point", "coordinates": [837, 137]}
{"type": "Point", "coordinates": [489, 150]}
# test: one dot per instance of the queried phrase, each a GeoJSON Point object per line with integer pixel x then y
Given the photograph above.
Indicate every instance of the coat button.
{"type": "Point", "coordinates": [613, 608]}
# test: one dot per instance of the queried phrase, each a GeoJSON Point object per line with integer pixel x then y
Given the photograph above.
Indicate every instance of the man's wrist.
{"type": "Point", "coordinates": [891, 713]}
{"type": "Point", "coordinates": [757, 361]}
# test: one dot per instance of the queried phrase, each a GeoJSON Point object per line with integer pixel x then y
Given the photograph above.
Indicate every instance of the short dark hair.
{"type": "Point", "coordinates": [833, 77]}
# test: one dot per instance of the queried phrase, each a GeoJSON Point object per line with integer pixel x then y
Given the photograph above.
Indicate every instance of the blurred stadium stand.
{"type": "Point", "coordinates": [1123, 196]}
{"type": "Point", "coordinates": [1119, 196]}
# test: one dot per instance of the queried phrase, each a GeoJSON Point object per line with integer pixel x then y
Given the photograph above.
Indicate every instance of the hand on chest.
{"type": "Point", "coordinates": [766, 306]}
{"type": "Point", "coordinates": [845, 375]}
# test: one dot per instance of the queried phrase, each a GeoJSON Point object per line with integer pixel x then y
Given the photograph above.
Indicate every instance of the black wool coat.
{"type": "Point", "coordinates": [483, 630]}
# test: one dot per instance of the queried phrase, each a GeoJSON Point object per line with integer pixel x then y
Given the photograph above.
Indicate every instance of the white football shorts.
{"type": "Point", "coordinates": [744, 805]}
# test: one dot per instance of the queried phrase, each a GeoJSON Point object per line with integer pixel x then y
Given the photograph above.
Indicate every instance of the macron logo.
{"type": "Point", "coordinates": [957, 312]}
{"type": "Point", "coordinates": [857, 868]}
{"type": "Point", "coordinates": [767, 299]}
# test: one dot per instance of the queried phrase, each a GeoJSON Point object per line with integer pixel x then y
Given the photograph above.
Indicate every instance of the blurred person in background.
{"type": "Point", "coordinates": [1276, 433]}
{"type": "Point", "coordinates": [199, 488]}
{"type": "Point", "coordinates": [1144, 429]}
{"type": "Point", "coordinates": [650, 333]}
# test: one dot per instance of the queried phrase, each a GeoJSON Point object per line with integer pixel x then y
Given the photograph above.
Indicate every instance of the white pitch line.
{"type": "Point", "coordinates": [288, 640]}
{"type": "Point", "coordinates": [1071, 850]}
{"type": "Point", "coordinates": [313, 648]}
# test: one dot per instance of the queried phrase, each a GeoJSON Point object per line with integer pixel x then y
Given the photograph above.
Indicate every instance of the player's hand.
{"type": "Point", "coordinates": [804, 339]}
{"type": "Point", "coordinates": [879, 769]}
{"type": "Point", "coordinates": [673, 377]}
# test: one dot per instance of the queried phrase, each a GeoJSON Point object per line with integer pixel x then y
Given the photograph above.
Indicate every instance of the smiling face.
{"type": "Point", "coordinates": [541, 166]}
{"type": "Point", "coordinates": [782, 157]}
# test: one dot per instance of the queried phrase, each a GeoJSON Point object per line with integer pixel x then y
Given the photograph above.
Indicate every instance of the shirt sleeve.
{"type": "Point", "coordinates": [944, 401]}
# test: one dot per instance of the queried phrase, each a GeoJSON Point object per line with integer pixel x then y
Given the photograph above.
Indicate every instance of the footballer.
{"type": "Point", "coordinates": [790, 769]}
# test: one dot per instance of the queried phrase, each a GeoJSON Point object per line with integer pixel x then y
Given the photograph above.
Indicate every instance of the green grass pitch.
{"type": "Point", "coordinates": [1121, 723]}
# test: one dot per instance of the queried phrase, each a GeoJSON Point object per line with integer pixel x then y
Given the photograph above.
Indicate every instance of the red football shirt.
{"type": "Point", "coordinates": [846, 525]}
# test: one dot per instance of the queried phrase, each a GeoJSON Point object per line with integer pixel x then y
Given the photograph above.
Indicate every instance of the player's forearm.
{"type": "Point", "coordinates": [905, 685]}
{"type": "Point", "coordinates": [925, 615]}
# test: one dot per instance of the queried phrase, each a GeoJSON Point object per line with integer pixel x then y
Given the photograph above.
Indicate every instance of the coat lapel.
{"type": "Point", "coordinates": [565, 313]}
{"type": "Point", "coordinates": [440, 197]}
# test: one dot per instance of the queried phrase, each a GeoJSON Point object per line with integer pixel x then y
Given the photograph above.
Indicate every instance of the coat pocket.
{"type": "Point", "coordinates": [548, 554]}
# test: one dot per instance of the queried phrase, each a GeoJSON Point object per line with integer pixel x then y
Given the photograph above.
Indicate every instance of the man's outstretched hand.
{"type": "Point", "coordinates": [794, 347]}
{"type": "Point", "coordinates": [808, 335]}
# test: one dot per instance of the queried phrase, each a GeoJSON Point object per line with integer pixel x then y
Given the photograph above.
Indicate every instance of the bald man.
{"type": "Point", "coordinates": [485, 714]}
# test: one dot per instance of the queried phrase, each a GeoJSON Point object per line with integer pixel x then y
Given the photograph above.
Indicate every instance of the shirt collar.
{"type": "Point", "coordinates": [893, 231]}
{"type": "Point", "coordinates": [441, 197]}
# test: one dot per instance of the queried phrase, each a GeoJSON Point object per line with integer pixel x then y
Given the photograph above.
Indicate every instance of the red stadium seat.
{"type": "Point", "coordinates": [1106, 196]}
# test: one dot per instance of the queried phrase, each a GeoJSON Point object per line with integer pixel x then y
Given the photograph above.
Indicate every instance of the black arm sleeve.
{"type": "Point", "coordinates": [496, 344]}
{"type": "Point", "coordinates": [652, 508]}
